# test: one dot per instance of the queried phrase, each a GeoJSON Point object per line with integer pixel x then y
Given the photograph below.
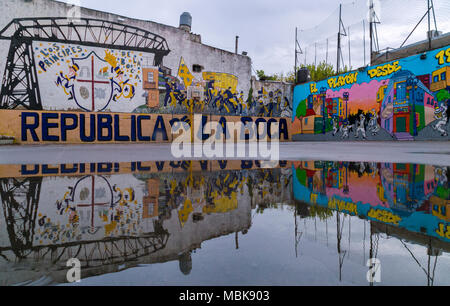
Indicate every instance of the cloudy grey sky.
{"type": "Point", "coordinates": [266, 27]}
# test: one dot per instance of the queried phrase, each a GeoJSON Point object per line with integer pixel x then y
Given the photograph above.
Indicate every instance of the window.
{"type": "Point", "coordinates": [435, 79]}
{"type": "Point", "coordinates": [401, 91]}
{"type": "Point", "coordinates": [428, 101]}
{"type": "Point", "coordinates": [150, 77]}
{"type": "Point", "coordinates": [443, 76]}
{"type": "Point", "coordinates": [197, 68]}
{"type": "Point", "coordinates": [401, 167]}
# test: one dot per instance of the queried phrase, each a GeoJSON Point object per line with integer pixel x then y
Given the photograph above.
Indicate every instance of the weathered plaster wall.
{"type": "Point", "coordinates": [181, 43]}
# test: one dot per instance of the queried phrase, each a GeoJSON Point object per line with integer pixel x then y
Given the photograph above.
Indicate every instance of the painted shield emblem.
{"type": "Point", "coordinates": [92, 90]}
{"type": "Point", "coordinates": [92, 196]}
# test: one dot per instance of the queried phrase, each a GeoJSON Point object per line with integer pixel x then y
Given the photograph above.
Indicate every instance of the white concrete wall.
{"type": "Point", "coordinates": [181, 43]}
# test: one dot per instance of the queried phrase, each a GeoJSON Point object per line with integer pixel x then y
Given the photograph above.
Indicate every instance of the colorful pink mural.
{"type": "Point", "coordinates": [407, 99]}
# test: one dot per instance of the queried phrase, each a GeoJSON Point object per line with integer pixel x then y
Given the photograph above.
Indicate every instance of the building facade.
{"type": "Point", "coordinates": [174, 72]}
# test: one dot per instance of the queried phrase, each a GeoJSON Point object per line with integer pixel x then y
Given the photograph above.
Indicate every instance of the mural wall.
{"type": "Point", "coordinates": [45, 127]}
{"type": "Point", "coordinates": [409, 196]}
{"type": "Point", "coordinates": [407, 99]}
{"type": "Point", "coordinates": [218, 93]}
{"type": "Point", "coordinates": [76, 77]}
{"type": "Point", "coordinates": [120, 71]}
{"type": "Point", "coordinates": [92, 75]}
{"type": "Point", "coordinates": [116, 215]}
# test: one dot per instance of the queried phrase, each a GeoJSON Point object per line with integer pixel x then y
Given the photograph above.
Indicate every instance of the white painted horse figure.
{"type": "Point", "coordinates": [440, 114]}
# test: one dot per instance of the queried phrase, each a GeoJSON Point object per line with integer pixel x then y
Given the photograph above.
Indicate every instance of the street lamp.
{"type": "Point", "coordinates": [346, 95]}
{"type": "Point", "coordinates": [323, 93]}
{"type": "Point", "coordinates": [346, 188]}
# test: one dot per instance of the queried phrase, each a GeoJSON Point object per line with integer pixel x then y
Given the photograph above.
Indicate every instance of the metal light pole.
{"type": "Point", "coordinates": [323, 93]}
{"type": "Point", "coordinates": [346, 95]}
{"type": "Point", "coordinates": [346, 188]}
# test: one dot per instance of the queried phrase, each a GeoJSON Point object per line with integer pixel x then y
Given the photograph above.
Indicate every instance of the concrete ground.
{"type": "Point", "coordinates": [436, 153]}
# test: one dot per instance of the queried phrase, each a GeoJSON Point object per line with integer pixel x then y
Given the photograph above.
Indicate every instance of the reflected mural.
{"type": "Point", "coordinates": [116, 216]}
{"type": "Point", "coordinates": [410, 196]}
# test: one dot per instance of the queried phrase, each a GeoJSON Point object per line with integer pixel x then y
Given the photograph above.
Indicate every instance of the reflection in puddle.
{"type": "Point", "coordinates": [116, 216]}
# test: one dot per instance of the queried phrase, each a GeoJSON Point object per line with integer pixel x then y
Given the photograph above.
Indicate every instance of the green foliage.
{"type": "Point", "coordinates": [322, 212]}
{"type": "Point", "coordinates": [263, 77]}
{"type": "Point", "coordinates": [301, 109]}
{"type": "Point", "coordinates": [250, 97]}
{"type": "Point", "coordinates": [301, 176]}
{"type": "Point", "coordinates": [320, 72]}
{"type": "Point", "coordinates": [442, 192]}
{"type": "Point", "coordinates": [442, 95]}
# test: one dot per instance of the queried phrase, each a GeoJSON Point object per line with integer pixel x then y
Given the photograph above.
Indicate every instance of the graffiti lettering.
{"type": "Point", "coordinates": [341, 205]}
{"type": "Point", "coordinates": [38, 126]}
{"type": "Point", "coordinates": [443, 56]}
{"type": "Point", "coordinates": [54, 54]}
{"type": "Point", "coordinates": [343, 80]}
{"type": "Point", "coordinates": [443, 230]}
{"type": "Point", "coordinates": [384, 216]}
{"type": "Point", "coordinates": [384, 70]}
{"type": "Point", "coordinates": [313, 87]}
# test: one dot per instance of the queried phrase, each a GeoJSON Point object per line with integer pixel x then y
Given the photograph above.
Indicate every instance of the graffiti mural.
{"type": "Point", "coordinates": [90, 207]}
{"type": "Point", "coordinates": [116, 215]}
{"type": "Point", "coordinates": [28, 127]}
{"type": "Point", "coordinates": [407, 99]}
{"type": "Point", "coordinates": [216, 93]}
{"type": "Point", "coordinates": [85, 67]}
{"type": "Point", "coordinates": [90, 79]}
{"type": "Point", "coordinates": [410, 196]}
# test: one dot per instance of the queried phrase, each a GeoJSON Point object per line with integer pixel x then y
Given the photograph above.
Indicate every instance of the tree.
{"type": "Point", "coordinates": [321, 71]}
{"type": "Point", "coordinates": [318, 73]}
{"type": "Point", "coordinates": [301, 109]}
{"type": "Point", "coordinates": [250, 98]}
{"type": "Point", "coordinates": [263, 77]}
{"type": "Point", "coordinates": [442, 95]}
{"type": "Point", "coordinates": [322, 212]}
{"type": "Point", "coordinates": [301, 112]}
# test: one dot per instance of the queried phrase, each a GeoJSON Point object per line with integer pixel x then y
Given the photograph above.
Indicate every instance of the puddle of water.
{"type": "Point", "coordinates": [225, 223]}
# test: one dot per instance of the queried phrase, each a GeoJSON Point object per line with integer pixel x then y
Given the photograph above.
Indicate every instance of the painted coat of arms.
{"type": "Point", "coordinates": [93, 82]}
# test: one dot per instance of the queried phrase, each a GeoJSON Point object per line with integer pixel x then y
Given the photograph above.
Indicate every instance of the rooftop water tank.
{"type": "Point", "coordinates": [186, 21]}
{"type": "Point", "coordinates": [303, 75]}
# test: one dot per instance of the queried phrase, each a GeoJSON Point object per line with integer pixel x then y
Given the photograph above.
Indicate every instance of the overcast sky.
{"type": "Point", "coordinates": [266, 27]}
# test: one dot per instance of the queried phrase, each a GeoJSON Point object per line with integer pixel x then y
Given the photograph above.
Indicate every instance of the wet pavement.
{"type": "Point", "coordinates": [428, 152]}
{"type": "Point", "coordinates": [225, 222]}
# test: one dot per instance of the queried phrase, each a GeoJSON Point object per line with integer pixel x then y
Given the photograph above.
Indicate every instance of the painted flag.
{"type": "Point", "coordinates": [262, 91]}
{"type": "Point", "coordinates": [185, 74]}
